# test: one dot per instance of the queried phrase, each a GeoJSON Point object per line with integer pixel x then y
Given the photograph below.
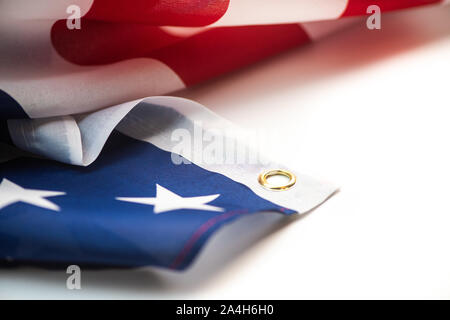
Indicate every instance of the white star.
{"type": "Point", "coordinates": [166, 200]}
{"type": "Point", "coordinates": [11, 193]}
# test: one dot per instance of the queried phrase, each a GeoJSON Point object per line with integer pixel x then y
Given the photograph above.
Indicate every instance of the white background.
{"type": "Point", "coordinates": [368, 111]}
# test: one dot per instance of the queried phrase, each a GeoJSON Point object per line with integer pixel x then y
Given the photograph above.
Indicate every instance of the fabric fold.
{"type": "Point", "coordinates": [79, 140]}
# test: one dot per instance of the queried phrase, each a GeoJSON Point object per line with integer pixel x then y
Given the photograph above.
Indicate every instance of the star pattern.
{"type": "Point", "coordinates": [11, 193]}
{"type": "Point", "coordinates": [167, 200]}
{"type": "Point", "coordinates": [164, 201]}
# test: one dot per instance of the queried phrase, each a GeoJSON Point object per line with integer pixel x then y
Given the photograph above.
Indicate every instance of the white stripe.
{"type": "Point", "coordinates": [76, 139]}
{"type": "Point", "coordinates": [320, 29]}
{"type": "Point", "coordinates": [92, 88]}
{"type": "Point", "coordinates": [56, 138]}
{"type": "Point", "coordinates": [252, 12]}
{"type": "Point", "coordinates": [46, 85]}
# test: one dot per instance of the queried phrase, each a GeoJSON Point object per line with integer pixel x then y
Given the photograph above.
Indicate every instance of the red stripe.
{"type": "Point", "coordinates": [98, 43]}
{"type": "Point", "coordinates": [159, 12]}
{"type": "Point", "coordinates": [359, 7]}
{"type": "Point", "coordinates": [221, 50]}
{"type": "Point", "coordinates": [194, 59]}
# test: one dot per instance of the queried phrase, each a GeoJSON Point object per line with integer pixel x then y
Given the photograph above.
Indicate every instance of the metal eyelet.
{"type": "Point", "coordinates": [262, 179]}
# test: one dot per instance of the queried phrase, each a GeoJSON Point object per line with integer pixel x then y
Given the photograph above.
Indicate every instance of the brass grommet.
{"type": "Point", "coordinates": [262, 179]}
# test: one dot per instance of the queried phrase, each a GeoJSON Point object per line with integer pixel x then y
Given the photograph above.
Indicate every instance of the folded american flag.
{"type": "Point", "coordinates": [93, 178]}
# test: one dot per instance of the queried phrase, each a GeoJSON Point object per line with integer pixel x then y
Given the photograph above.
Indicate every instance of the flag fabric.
{"type": "Point", "coordinates": [134, 205]}
{"type": "Point", "coordinates": [125, 50]}
{"type": "Point", "coordinates": [88, 172]}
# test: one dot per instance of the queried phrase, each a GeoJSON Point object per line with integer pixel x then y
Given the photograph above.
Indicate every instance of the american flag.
{"type": "Point", "coordinates": [86, 169]}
